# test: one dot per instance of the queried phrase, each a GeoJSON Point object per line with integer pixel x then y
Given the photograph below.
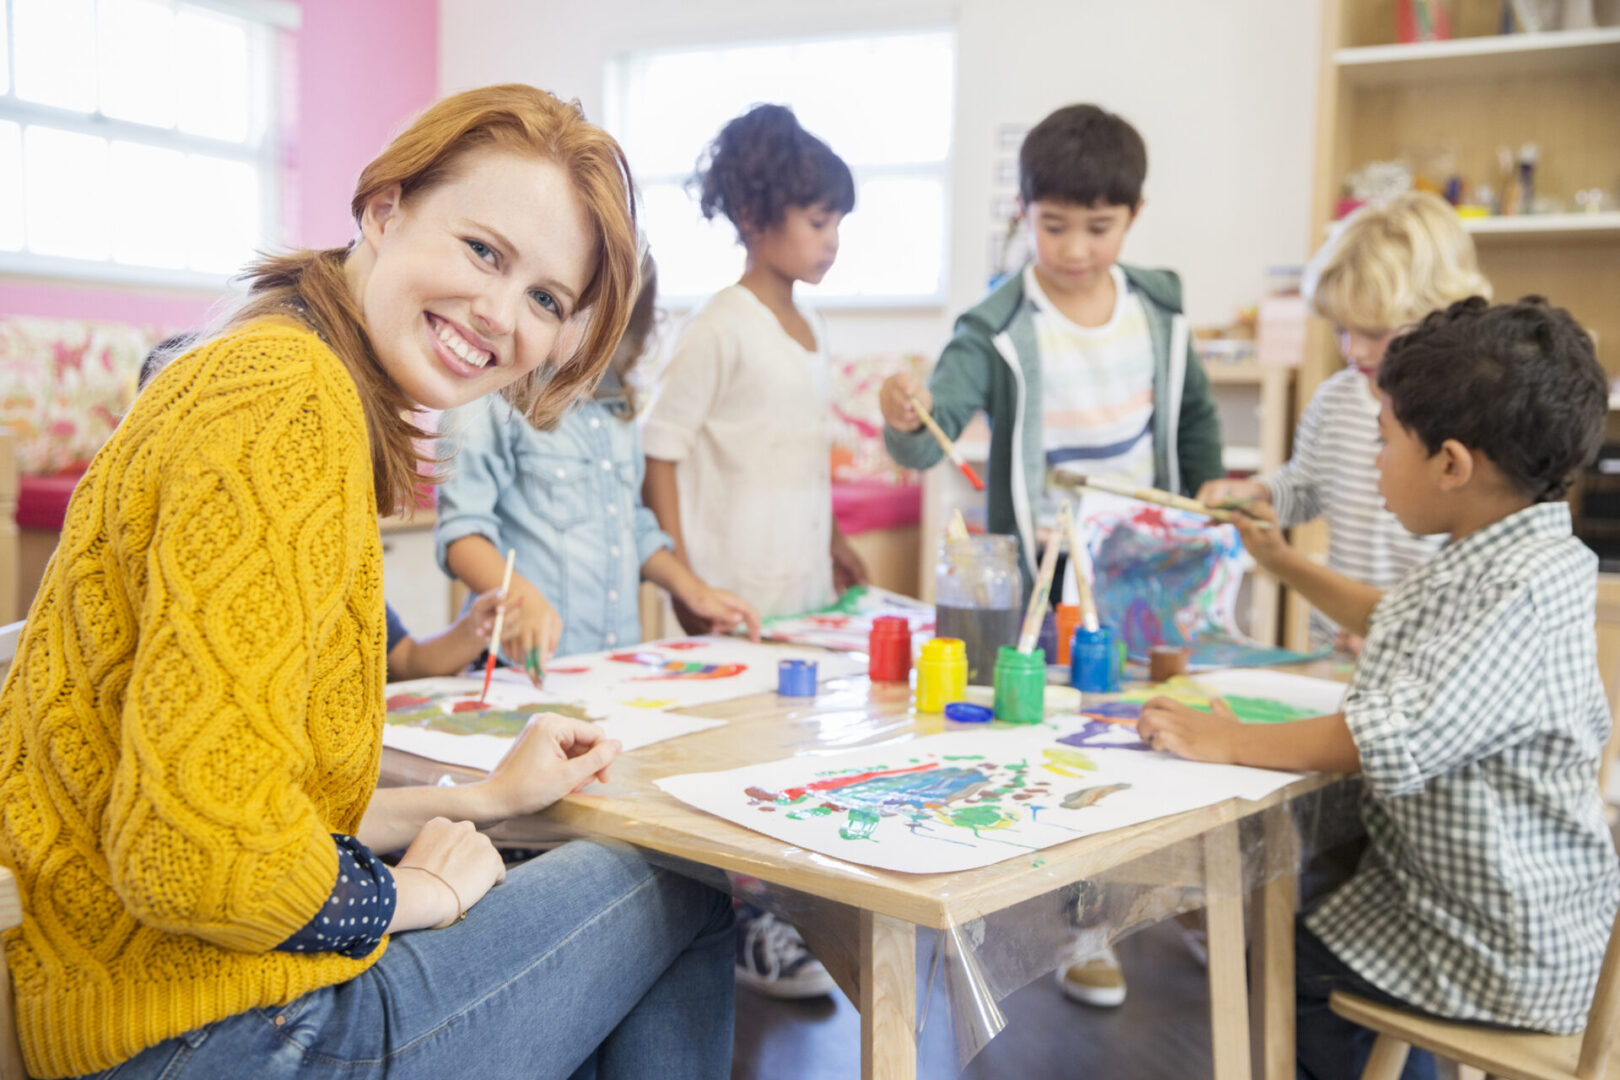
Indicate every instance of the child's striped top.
{"type": "Point", "coordinates": [1334, 473]}
{"type": "Point", "coordinates": [1097, 387]}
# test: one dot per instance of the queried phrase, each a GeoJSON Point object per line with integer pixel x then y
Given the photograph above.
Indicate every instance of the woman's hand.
{"type": "Point", "coordinates": [895, 397]}
{"type": "Point", "coordinates": [446, 870]}
{"type": "Point", "coordinates": [1167, 724]}
{"type": "Point", "coordinates": [1226, 493]}
{"type": "Point", "coordinates": [552, 756]}
{"type": "Point", "coordinates": [717, 611]}
{"type": "Point", "coordinates": [531, 623]}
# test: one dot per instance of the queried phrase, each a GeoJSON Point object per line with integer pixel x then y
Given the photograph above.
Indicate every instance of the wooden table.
{"type": "Point", "coordinates": [881, 909]}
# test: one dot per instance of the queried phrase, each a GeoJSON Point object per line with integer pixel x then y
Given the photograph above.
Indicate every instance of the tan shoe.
{"type": "Point", "coordinates": [1095, 980]}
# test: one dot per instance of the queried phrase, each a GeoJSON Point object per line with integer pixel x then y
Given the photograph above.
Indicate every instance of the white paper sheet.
{"type": "Point", "coordinates": [963, 799]}
{"type": "Point", "coordinates": [681, 672]}
{"type": "Point", "coordinates": [422, 719]}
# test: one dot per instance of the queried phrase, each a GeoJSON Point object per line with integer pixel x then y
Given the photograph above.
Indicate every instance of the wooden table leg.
{"type": "Point", "coordinates": [1271, 981]}
{"type": "Point", "coordinates": [888, 1002]}
{"type": "Point", "coordinates": [1228, 989]}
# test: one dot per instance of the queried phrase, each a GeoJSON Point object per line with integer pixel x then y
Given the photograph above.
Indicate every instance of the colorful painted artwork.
{"type": "Point", "coordinates": [683, 672]}
{"type": "Point", "coordinates": [1254, 696]}
{"type": "Point", "coordinates": [445, 720]}
{"type": "Point", "coordinates": [847, 624]}
{"type": "Point", "coordinates": [961, 800]}
{"type": "Point", "coordinates": [1166, 577]}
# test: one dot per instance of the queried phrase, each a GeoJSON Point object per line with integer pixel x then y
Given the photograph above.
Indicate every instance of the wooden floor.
{"type": "Point", "coordinates": [1162, 1030]}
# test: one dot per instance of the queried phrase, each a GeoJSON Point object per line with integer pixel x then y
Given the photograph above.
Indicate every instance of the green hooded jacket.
{"type": "Point", "coordinates": [992, 364]}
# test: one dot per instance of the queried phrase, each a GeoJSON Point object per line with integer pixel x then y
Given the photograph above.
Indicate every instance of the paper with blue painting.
{"type": "Point", "coordinates": [965, 799]}
{"type": "Point", "coordinates": [1167, 577]}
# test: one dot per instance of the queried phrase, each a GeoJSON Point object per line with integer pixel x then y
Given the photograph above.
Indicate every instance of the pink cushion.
{"type": "Point", "coordinates": [42, 501]}
{"type": "Point", "coordinates": [862, 507]}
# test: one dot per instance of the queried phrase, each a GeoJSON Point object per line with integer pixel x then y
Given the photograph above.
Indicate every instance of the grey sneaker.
{"type": "Point", "coordinates": [772, 959]}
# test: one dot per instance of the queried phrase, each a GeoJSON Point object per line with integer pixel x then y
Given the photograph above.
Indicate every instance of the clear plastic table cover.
{"type": "Point", "coordinates": [999, 927]}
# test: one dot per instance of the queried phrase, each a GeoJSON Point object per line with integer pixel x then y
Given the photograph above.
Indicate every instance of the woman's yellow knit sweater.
{"type": "Point", "coordinates": [195, 705]}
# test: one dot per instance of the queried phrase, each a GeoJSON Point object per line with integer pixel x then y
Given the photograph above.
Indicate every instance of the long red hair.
{"type": "Point", "coordinates": [516, 117]}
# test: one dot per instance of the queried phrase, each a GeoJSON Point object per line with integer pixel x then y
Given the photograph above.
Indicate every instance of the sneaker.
{"type": "Point", "coordinates": [1094, 980]}
{"type": "Point", "coordinates": [772, 959]}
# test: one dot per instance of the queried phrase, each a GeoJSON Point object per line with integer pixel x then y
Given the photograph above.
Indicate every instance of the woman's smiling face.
{"type": "Point", "coordinates": [465, 287]}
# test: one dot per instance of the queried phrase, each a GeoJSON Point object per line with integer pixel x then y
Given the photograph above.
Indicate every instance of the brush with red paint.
{"type": "Point", "coordinates": [495, 634]}
{"type": "Point", "coordinates": [946, 445]}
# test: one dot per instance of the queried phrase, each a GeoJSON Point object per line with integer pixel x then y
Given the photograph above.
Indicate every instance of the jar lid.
{"type": "Point", "coordinates": [966, 713]}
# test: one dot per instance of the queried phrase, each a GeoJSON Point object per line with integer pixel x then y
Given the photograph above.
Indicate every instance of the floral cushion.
{"type": "Point", "coordinates": [857, 423]}
{"type": "Point", "coordinates": [64, 383]}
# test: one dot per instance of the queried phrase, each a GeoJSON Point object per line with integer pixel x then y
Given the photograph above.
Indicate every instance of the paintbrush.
{"type": "Point", "coordinates": [1042, 596]}
{"type": "Point", "coordinates": [957, 528]}
{"type": "Point", "coordinates": [1152, 495]}
{"type": "Point", "coordinates": [500, 615]}
{"type": "Point", "coordinates": [1088, 602]}
{"type": "Point", "coordinates": [946, 445]}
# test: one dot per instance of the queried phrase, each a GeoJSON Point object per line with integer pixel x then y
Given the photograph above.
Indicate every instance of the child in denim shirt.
{"type": "Point", "coordinates": [568, 501]}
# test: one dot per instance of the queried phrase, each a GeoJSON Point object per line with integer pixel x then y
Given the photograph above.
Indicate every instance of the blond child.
{"type": "Point", "coordinates": [1391, 265]}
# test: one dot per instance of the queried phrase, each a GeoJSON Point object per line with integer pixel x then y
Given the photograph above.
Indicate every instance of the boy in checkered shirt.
{"type": "Point", "coordinates": [1476, 716]}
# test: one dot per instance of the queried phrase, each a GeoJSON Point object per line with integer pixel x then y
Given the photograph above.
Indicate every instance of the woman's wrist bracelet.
{"type": "Point", "coordinates": [461, 912]}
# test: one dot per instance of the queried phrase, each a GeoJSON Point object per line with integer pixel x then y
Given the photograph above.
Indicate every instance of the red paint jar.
{"type": "Point", "coordinates": [889, 647]}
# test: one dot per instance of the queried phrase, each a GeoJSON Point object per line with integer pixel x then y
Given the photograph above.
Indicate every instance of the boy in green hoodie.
{"type": "Point", "coordinates": [1082, 364]}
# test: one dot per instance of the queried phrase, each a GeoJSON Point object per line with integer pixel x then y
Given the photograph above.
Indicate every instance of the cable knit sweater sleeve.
{"type": "Point", "coordinates": [262, 502]}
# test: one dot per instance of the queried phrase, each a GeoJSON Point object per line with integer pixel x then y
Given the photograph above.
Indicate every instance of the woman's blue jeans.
{"type": "Point", "coordinates": [586, 962]}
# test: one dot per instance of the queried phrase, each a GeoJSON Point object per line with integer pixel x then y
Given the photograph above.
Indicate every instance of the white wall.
{"type": "Point", "coordinates": [1223, 91]}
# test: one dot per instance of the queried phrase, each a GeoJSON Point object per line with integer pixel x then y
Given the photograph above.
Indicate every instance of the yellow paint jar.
{"type": "Point", "coordinates": [941, 674]}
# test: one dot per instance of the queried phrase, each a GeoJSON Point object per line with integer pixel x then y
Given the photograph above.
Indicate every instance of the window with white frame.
{"type": "Point", "coordinates": [137, 137]}
{"type": "Point", "coordinates": [883, 102]}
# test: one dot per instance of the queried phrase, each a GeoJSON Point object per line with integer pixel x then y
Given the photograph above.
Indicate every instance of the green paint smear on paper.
{"type": "Point", "coordinates": [861, 823]}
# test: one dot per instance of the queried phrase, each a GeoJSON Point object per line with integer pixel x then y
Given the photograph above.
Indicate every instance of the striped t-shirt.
{"type": "Point", "coordinates": [1334, 473]}
{"type": "Point", "coordinates": [1096, 388]}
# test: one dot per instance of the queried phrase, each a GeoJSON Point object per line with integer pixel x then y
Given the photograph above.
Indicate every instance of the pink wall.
{"type": "Point", "coordinates": [357, 70]}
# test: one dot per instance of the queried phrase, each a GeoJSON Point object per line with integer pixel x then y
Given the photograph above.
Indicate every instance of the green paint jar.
{"type": "Point", "coordinates": [1020, 686]}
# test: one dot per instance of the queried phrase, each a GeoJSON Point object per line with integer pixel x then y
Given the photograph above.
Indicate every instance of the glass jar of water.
{"type": "Point", "coordinates": [977, 589]}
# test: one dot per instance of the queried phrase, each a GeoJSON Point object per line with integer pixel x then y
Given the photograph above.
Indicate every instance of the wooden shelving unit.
{"type": "Point", "coordinates": [1379, 100]}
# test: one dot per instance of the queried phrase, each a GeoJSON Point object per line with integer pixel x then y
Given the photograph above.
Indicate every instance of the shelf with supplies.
{"type": "Point", "coordinates": [1604, 225]}
{"type": "Point", "coordinates": [1492, 56]}
{"type": "Point", "coordinates": [1455, 111]}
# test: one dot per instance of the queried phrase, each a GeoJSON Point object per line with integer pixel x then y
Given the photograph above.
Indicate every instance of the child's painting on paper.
{"type": "Point", "coordinates": [683, 671]}
{"type": "Point", "coordinates": [961, 800]}
{"type": "Point", "coordinates": [847, 623]}
{"type": "Point", "coordinates": [446, 720]}
{"type": "Point", "coordinates": [1167, 577]}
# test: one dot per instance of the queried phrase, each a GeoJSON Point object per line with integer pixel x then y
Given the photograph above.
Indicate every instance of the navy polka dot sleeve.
{"type": "Point", "coordinates": [353, 920]}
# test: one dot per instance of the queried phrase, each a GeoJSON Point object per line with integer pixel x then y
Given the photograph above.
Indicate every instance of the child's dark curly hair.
{"type": "Point", "coordinates": [1518, 382]}
{"type": "Point", "coordinates": [763, 162]}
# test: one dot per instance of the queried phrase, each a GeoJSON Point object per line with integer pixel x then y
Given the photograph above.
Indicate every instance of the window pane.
{"type": "Point", "coordinates": [222, 214]}
{"type": "Point", "coordinates": [149, 210]}
{"type": "Point", "coordinates": [215, 90]}
{"type": "Point", "coordinates": [64, 193]}
{"type": "Point", "coordinates": [138, 64]}
{"type": "Point", "coordinates": [5, 57]}
{"type": "Point", "coordinates": [892, 215]}
{"type": "Point", "coordinates": [890, 102]}
{"type": "Point", "coordinates": [11, 186]}
{"type": "Point", "coordinates": [56, 52]}
{"type": "Point", "coordinates": [695, 257]}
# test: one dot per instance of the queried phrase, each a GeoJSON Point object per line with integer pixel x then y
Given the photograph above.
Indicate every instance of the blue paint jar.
{"type": "Point", "coordinates": [1094, 661]}
{"type": "Point", "coordinates": [796, 678]}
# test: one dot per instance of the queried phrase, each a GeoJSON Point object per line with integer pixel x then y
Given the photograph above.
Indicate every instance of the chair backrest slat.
{"type": "Point", "coordinates": [1603, 1022]}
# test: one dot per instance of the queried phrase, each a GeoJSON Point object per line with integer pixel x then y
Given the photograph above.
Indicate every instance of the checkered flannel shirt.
{"type": "Point", "coordinates": [1490, 881]}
